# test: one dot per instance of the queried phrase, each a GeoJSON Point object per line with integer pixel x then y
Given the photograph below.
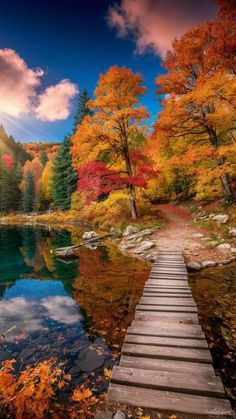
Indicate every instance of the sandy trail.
{"type": "Point", "coordinates": [178, 233]}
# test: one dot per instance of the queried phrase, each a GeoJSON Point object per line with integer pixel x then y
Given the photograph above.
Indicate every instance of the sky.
{"type": "Point", "coordinates": [50, 51]}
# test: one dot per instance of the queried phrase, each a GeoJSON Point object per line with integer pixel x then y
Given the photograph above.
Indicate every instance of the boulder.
{"type": "Point", "coordinates": [89, 360]}
{"type": "Point", "coordinates": [193, 266]}
{"type": "Point", "coordinates": [146, 245]}
{"type": "Point", "coordinates": [233, 250]}
{"type": "Point", "coordinates": [232, 231]}
{"type": "Point", "coordinates": [130, 230]}
{"type": "Point", "coordinates": [221, 218]}
{"type": "Point", "coordinates": [197, 235]}
{"type": "Point", "coordinates": [224, 246]}
{"type": "Point", "coordinates": [141, 233]}
{"type": "Point", "coordinates": [89, 235]}
{"type": "Point", "coordinates": [209, 264]}
{"type": "Point", "coordinates": [225, 261]}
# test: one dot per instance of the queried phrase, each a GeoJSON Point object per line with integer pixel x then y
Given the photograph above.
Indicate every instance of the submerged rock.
{"type": "Point", "coordinates": [194, 266]}
{"type": "Point", "coordinates": [89, 360]}
{"type": "Point", "coordinates": [130, 230]}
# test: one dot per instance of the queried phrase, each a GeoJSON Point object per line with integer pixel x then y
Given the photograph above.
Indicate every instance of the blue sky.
{"type": "Point", "coordinates": [71, 40]}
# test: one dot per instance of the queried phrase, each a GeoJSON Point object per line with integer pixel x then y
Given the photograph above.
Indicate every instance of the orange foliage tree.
{"type": "Point", "coordinates": [199, 99]}
{"type": "Point", "coordinates": [109, 133]}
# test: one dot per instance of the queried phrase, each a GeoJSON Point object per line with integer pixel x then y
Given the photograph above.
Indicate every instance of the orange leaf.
{"type": "Point", "coordinates": [79, 394]}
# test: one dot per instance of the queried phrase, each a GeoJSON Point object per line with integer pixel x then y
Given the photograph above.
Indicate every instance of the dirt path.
{"type": "Point", "coordinates": [178, 233]}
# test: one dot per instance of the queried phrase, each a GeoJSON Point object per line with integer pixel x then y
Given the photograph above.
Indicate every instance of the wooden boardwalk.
{"type": "Point", "coordinates": [166, 364]}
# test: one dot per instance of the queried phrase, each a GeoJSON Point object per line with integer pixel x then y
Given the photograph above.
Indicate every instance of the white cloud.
{"type": "Point", "coordinates": [62, 309]}
{"type": "Point", "coordinates": [155, 23]}
{"type": "Point", "coordinates": [20, 94]}
{"type": "Point", "coordinates": [54, 102]}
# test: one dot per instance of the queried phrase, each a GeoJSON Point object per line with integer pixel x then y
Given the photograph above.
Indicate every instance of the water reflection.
{"type": "Point", "coordinates": [77, 311]}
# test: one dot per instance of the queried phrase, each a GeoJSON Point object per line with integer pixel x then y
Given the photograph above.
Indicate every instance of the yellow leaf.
{"type": "Point", "coordinates": [145, 417]}
{"type": "Point", "coordinates": [107, 372]}
{"type": "Point", "coordinates": [80, 394]}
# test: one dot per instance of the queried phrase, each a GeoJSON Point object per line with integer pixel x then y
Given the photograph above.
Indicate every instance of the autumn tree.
{"type": "Point", "coordinates": [115, 123]}
{"type": "Point", "coordinates": [199, 99]}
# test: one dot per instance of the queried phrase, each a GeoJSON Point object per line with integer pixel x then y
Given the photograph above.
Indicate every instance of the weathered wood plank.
{"type": "Point", "coordinates": [205, 385]}
{"type": "Point", "coordinates": [184, 301]}
{"type": "Point", "coordinates": [169, 295]}
{"type": "Point", "coordinates": [167, 316]}
{"type": "Point", "coordinates": [166, 341]}
{"type": "Point", "coordinates": [169, 401]}
{"type": "Point", "coordinates": [167, 290]}
{"type": "Point", "coordinates": [194, 368]}
{"type": "Point", "coordinates": [190, 331]}
{"type": "Point", "coordinates": [167, 352]}
{"type": "Point", "coordinates": [161, 308]}
{"type": "Point", "coordinates": [168, 282]}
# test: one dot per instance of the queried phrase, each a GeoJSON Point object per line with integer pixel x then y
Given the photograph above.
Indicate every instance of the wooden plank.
{"type": "Point", "coordinates": [169, 401]}
{"type": "Point", "coordinates": [167, 290]}
{"type": "Point", "coordinates": [168, 282]}
{"type": "Point", "coordinates": [169, 295]}
{"type": "Point", "coordinates": [205, 385]}
{"type": "Point", "coordinates": [167, 352]}
{"type": "Point", "coordinates": [156, 328]}
{"type": "Point", "coordinates": [167, 316]}
{"type": "Point", "coordinates": [165, 365]}
{"type": "Point", "coordinates": [168, 301]}
{"type": "Point", "coordinates": [179, 309]}
{"type": "Point", "coordinates": [167, 287]}
{"type": "Point", "coordinates": [169, 276]}
{"type": "Point", "coordinates": [166, 341]}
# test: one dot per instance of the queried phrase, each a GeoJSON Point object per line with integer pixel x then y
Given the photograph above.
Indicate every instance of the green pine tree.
{"type": "Point", "coordinates": [43, 158]}
{"type": "Point", "coordinates": [28, 194]}
{"type": "Point", "coordinates": [64, 179]}
{"type": "Point", "coordinates": [9, 188]}
{"type": "Point", "coordinates": [82, 109]}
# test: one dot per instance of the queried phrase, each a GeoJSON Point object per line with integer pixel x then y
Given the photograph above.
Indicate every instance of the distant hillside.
{"type": "Point", "coordinates": [8, 145]}
{"type": "Point", "coordinates": [35, 149]}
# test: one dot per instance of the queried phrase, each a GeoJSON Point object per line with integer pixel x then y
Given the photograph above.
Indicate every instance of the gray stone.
{"type": "Point", "coordinates": [146, 245]}
{"type": "Point", "coordinates": [139, 240]}
{"type": "Point", "coordinates": [221, 218]}
{"type": "Point", "coordinates": [4, 355]}
{"type": "Point", "coordinates": [126, 246]}
{"type": "Point", "coordinates": [193, 266]}
{"type": "Point", "coordinates": [130, 230]}
{"type": "Point", "coordinates": [233, 250]}
{"type": "Point", "coordinates": [89, 235]}
{"type": "Point", "coordinates": [209, 264]}
{"type": "Point", "coordinates": [141, 233]}
{"type": "Point", "coordinates": [224, 246]}
{"type": "Point", "coordinates": [26, 353]}
{"type": "Point", "coordinates": [232, 232]}
{"type": "Point", "coordinates": [119, 415]}
{"type": "Point", "coordinates": [104, 415]}
{"type": "Point", "coordinates": [225, 262]}
{"type": "Point", "coordinates": [89, 360]}
{"type": "Point", "coordinates": [197, 235]}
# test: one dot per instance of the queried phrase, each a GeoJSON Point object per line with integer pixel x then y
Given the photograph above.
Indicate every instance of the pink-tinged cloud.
{"type": "Point", "coordinates": [154, 24]}
{"type": "Point", "coordinates": [21, 91]}
{"type": "Point", "coordinates": [54, 102]}
{"type": "Point", "coordinates": [18, 84]}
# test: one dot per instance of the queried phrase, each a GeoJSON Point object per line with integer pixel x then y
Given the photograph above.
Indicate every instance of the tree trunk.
{"type": "Point", "coordinates": [227, 188]}
{"type": "Point", "coordinates": [133, 205]}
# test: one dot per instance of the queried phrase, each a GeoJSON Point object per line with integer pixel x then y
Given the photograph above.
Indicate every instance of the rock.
{"type": "Point", "coordinates": [197, 235]}
{"type": "Point", "coordinates": [119, 415]}
{"type": "Point", "coordinates": [193, 266]}
{"type": "Point", "coordinates": [233, 250]}
{"type": "Point", "coordinates": [146, 245]}
{"type": "Point", "coordinates": [26, 353]}
{"type": "Point", "coordinates": [209, 264]}
{"type": "Point", "coordinates": [225, 262]}
{"type": "Point", "coordinates": [151, 257]}
{"type": "Point", "coordinates": [89, 360]}
{"type": "Point", "coordinates": [224, 246]}
{"type": "Point", "coordinates": [89, 235]}
{"type": "Point", "coordinates": [126, 246]}
{"type": "Point", "coordinates": [221, 218]}
{"type": "Point", "coordinates": [104, 415]}
{"type": "Point", "coordinates": [232, 231]}
{"type": "Point", "coordinates": [4, 355]}
{"type": "Point", "coordinates": [130, 230]}
{"type": "Point", "coordinates": [139, 240]}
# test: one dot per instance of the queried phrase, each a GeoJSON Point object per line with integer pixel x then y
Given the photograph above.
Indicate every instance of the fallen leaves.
{"type": "Point", "coordinates": [81, 394]}
{"type": "Point", "coordinates": [107, 373]}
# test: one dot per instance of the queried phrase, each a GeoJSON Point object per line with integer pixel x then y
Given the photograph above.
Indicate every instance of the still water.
{"type": "Point", "coordinates": [77, 310]}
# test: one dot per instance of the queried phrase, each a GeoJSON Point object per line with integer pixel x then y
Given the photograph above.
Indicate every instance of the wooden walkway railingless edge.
{"type": "Point", "coordinates": [166, 364]}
